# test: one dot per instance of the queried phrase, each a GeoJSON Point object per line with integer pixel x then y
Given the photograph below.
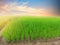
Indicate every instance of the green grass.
{"type": "Point", "coordinates": [31, 28]}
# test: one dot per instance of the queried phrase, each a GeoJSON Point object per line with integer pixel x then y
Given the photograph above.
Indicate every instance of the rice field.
{"type": "Point", "coordinates": [31, 28]}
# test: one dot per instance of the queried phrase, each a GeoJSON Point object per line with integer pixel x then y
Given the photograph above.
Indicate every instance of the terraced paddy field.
{"type": "Point", "coordinates": [31, 31]}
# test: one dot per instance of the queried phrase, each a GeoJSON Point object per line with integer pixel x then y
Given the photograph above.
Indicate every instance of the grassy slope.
{"type": "Point", "coordinates": [32, 28]}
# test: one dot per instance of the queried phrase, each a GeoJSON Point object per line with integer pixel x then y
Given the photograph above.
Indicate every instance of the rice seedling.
{"type": "Point", "coordinates": [31, 28]}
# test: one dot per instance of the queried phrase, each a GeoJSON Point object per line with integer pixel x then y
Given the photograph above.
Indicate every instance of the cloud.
{"type": "Point", "coordinates": [22, 9]}
{"type": "Point", "coordinates": [12, 7]}
{"type": "Point", "coordinates": [4, 2]}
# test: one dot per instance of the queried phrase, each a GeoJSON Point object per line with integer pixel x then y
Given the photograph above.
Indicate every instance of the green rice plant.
{"type": "Point", "coordinates": [31, 28]}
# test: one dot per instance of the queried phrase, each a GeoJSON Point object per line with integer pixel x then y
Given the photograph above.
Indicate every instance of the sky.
{"type": "Point", "coordinates": [30, 7]}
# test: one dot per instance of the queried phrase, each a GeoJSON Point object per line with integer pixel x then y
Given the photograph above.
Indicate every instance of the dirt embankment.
{"type": "Point", "coordinates": [37, 42]}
